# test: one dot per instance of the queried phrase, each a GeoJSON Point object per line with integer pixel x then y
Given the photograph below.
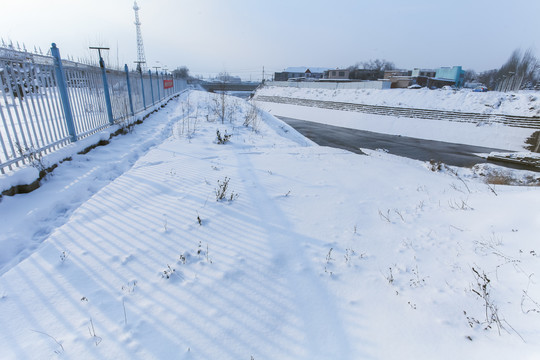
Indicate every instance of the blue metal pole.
{"type": "Point", "coordinates": [142, 88]}
{"type": "Point", "coordinates": [157, 78]}
{"type": "Point", "coordinates": [62, 88]}
{"type": "Point", "coordinates": [151, 87]}
{"type": "Point", "coordinates": [106, 88]}
{"type": "Point", "coordinates": [129, 90]}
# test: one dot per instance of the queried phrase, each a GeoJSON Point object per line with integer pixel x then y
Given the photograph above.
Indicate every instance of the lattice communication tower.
{"type": "Point", "coordinates": [141, 59]}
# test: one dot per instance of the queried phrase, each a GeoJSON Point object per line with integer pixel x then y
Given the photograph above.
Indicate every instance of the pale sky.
{"type": "Point", "coordinates": [241, 36]}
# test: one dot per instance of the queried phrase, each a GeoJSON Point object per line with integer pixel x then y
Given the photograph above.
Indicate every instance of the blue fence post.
{"type": "Point", "coordinates": [129, 90]}
{"type": "Point", "coordinates": [142, 88]}
{"type": "Point", "coordinates": [157, 81]}
{"type": "Point", "coordinates": [106, 88]}
{"type": "Point", "coordinates": [151, 86]}
{"type": "Point", "coordinates": [62, 88]}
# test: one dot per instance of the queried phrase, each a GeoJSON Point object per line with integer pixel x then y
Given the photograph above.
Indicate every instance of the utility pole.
{"type": "Point", "coordinates": [105, 84]}
{"type": "Point", "coordinates": [263, 75]}
{"type": "Point", "coordinates": [157, 79]}
{"type": "Point", "coordinates": [139, 66]}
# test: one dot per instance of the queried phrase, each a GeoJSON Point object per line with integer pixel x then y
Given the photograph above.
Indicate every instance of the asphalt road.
{"type": "Point", "coordinates": [419, 149]}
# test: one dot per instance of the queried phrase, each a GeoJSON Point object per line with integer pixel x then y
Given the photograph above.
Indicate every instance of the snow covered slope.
{"type": "Point", "coordinates": [313, 253]}
{"type": "Point", "coordinates": [481, 133]}
{"type": "Point", "coordinates": [523, 103]}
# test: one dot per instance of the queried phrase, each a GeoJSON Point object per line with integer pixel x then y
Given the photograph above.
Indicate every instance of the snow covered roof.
{"type": "Point", "coordinates": [303, 69]}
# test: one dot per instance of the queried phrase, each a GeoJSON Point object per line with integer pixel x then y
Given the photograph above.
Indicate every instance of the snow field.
{"type": "Point", "coordinates": [522, 103]}
{"type": "Point", "coordinates": [324, 254]}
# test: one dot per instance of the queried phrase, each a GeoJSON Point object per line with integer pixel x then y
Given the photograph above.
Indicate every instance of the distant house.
{"type": "Point", "coordinates": [416, 72]}
{"type": "Point", "coordinates": [399, 78]}
{"type": "Point", "coordinates": [453, 76]}
{"type": "Point", "coordinates": [337, 74]}
{"type": "Point", "coordinates": [365, 74]}
{"type": "Point", "coordinates": [300, 73]}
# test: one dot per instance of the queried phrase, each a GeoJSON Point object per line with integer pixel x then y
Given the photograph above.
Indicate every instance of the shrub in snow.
{"type": "Point", "coordinates": [482, 289]}
{"type": "Point", "coordinates": [221, 191]}
{"type": "Point", "coordinates": [222, 139]}
{"type": "Point", "coordinates": [32, 156]}
{"type": "Point", "coordinates": [252, 117]}
{"type": "Point", "coordinates": [168, 272]}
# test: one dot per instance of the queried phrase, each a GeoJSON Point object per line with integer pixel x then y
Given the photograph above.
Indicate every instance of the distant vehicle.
{"type": "Point", "coordinates": [448, 87]}
{"type": "Point", "coordinates": [415, 86]}
{"type": "Point", "coordinates": [480, 89]}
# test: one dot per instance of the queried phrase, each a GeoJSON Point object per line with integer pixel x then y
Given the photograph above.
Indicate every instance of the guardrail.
{"type": "Point", "coordinates": [47, 102]}
{"type": "Point", "coordinates": [477, 118]}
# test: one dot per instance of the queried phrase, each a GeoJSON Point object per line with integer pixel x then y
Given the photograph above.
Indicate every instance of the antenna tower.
{"type": "Point", "coordinates": [141, 59]}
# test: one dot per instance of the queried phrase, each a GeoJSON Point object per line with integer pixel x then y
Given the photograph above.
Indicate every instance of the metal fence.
{"type": "Point", "coordinates": [47, 102]}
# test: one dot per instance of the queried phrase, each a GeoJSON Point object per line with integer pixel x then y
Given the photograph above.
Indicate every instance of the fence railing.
{"type": "Point", "coordinates": [47, 102]}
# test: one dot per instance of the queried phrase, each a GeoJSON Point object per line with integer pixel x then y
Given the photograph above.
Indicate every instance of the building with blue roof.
{"type": "Point", "coordinates": [454, 74]}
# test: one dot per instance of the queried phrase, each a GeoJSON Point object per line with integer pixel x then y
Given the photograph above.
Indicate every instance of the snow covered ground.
{"type": "Point", "coordinates": [486, 134]}
{"type": "Point", "coordinates": [313, 253]}
{"type": "Point", "coordinates": [522, 103]}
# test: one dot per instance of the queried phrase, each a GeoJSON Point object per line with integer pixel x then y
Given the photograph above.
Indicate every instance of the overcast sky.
{"type": "Point", "coordinates": [242, 36]}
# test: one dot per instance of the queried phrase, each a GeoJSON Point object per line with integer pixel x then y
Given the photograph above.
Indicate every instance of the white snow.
{"type": "Point", "coordinates": [323, 254]}
{"type": "Point", "coordinates": [523, 103]}
{"type": "Point", "coordinates": [23, 176]}
{"type": "Point", "coordinates": [27, 175]}
{"type": "Point", "coordinates": [493, 135]}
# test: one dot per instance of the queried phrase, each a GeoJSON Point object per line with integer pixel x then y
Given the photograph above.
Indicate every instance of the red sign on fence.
{"type": "Point", "coordinates": [167, 84]}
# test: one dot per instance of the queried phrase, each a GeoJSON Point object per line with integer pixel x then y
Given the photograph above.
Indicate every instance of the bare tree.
{"type": "Point", "coordinates": [181, 72]}
{"type": "Point", "coordinates": [488, 78]}
{"type": "Point", "coordinates": [370, 70]}
{"type": "Point", "coordinates": [470, 76]}
{"type": "Point", "coordinates": [518, 72]}
{"type": "Point", "coordinates": [378, 64]}
{"type": "Point", "coordinates": [220, 106]}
